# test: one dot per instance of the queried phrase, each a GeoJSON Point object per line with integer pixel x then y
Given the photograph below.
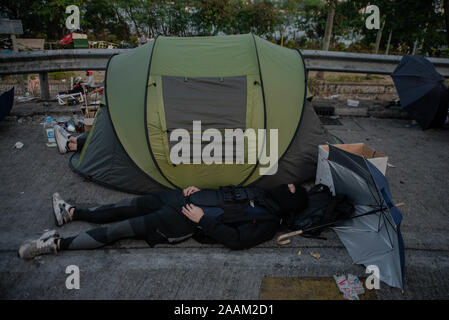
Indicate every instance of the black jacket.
{"type": "Point", "coordinates": [237, 235]}
{"type": "Point", "coordinates": [238, 231]}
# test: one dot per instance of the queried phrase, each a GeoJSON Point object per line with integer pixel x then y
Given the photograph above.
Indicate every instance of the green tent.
{"type": "Point", "coordinates": [226, 82]}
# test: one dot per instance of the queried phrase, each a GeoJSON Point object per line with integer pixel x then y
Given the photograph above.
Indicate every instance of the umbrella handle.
{"type": "Point", "coordinates": [282, 240]}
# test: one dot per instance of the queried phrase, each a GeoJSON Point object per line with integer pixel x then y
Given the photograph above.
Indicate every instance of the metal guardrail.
{"type": "Point", "coordinates": [42, 62]}
{"type": "Point", "coordinates": [55, 60]}
{"type": "Point", "coordinates": [361, 62]}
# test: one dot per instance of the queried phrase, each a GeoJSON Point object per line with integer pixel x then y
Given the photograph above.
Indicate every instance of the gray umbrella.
{"type": "Point", "coordinates": [372, 235]}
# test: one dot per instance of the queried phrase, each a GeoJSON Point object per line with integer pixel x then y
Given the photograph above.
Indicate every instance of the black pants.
{"type": "Point", "coordinates": [155, 217]}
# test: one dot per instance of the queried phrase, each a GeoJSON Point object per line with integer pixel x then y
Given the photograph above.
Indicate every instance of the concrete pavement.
{"type": "Point", "coordinates": [130, 269]}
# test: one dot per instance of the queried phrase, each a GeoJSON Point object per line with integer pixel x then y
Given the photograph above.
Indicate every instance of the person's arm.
{"type": "Point", "coordinates": [240, 237]}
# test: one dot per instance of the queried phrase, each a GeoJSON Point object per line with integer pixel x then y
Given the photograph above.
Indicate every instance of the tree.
{"type": "Point", "coordinates": [329, 24]}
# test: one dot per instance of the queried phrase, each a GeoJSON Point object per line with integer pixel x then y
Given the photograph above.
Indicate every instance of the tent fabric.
{"type": "Point", "coordinates": [6, 103]}
{"type": "Point", "coordinates": [227, 82]}
{"type": "Point", "coordinates": [104, 160]}
{"type": "Point", "coordinates": [301, 159]}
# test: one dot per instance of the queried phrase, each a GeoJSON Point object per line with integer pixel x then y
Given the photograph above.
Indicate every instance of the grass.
{"type": "Point", "coordinates": [61, 75]}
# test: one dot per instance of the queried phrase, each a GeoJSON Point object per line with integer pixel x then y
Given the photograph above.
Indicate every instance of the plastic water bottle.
{"type": "Point", "coordinates": [49, 132]}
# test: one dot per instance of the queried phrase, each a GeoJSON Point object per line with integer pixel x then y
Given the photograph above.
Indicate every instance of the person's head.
{"type": "Point", "coordinates": [77, 80]}
{"type": "Point", "coordinates": [290, 197]}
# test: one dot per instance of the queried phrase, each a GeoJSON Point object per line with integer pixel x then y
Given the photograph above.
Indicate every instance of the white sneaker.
{"type": "Point", "coordinates": [61, 210]}
{"type": "Point", "coordinates": [44, 245]}
{"type": "Point", "coordinates": [62, 137]}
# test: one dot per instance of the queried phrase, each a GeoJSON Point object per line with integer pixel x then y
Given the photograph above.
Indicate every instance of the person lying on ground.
{"type": "Point", "coordinates": [236, 217]}
{"type": "Point", "coordinates": [68, 142]}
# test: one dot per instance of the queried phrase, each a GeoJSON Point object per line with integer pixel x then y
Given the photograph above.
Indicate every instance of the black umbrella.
{"type": "Point", "coordinates": [422, 91]}
{"type": "Point", "coordinates": [6, 102]}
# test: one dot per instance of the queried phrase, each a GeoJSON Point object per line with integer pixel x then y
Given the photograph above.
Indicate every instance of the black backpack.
{"type": "Point", "coordinates": [323, 209]}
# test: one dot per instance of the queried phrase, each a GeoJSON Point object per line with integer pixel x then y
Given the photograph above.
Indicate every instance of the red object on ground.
{"type": "Point", "coordinates": [66, 40]}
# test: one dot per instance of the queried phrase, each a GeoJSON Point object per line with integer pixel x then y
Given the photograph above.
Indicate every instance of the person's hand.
{"type": "Point", "coordinates": [193, 212]}
{"type": "Point", "coordinates": [189, 190]}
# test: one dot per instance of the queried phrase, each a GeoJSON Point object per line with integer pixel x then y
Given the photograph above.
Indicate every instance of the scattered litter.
{"type": "Point", "coordinates": [390, 165]}
{"type": "Point", "coordinates": [352, 103]}
{"type": "Point", "coordinates": [350, 288]}
{"type": "Point", "coordinates": [356, 284]}
{"type": "Point", "coordinates": [18, 145]}
{"type": "Point", "coordinates": [71, 128]}
{"type": "Point", "coordinates": [49, 131]}
{"type": "Point", "coordinates": [62, 119]}
{"type": "Point", "coordinates": [20, 120]}
{"type": "Point", "coordinates": [299, 252]}
{"type": "Point", "coordinates": [334, 117]}
{"type": "Point", "coordinates": [335, 96]}
{"type": "Point", "coordinates": [315, 255]}
{"type": "Point", "coordinates": [24, 98]}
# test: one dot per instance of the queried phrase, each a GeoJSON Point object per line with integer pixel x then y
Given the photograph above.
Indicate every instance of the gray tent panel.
{"type": "Point", "coordinates": [299, 163]}
{"type": "Point", "coordinates": [106, 162]}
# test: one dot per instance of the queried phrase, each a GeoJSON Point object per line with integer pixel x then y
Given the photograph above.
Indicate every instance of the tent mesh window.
{"type": "Point", "coordinates": [219, 103]}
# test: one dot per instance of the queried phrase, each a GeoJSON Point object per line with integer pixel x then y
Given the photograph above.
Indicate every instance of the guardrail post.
{"type": "Point", "coordinates": [45, 90]}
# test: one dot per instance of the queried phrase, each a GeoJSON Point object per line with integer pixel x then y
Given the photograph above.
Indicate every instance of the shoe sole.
{"type": "Point", "coordinates": [55, 202]}
{"type": "Point", "coordinates": [61, 144]}
{"type": "Point", "coordinates": [48, 234]}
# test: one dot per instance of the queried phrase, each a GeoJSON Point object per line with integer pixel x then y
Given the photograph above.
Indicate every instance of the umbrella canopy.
{"type": "Point", "coordinates": [372, 235]}
{"type": "Point", "coordinates": [6, 102]}
{"type": "Point", "coordinates": [421, 90]}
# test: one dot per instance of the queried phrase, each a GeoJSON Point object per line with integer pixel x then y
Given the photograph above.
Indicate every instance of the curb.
{"type": "Point", "coordinates": [375, 109]}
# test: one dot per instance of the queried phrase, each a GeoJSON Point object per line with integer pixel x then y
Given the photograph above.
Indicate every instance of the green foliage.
{"type": "Point", "coordinates": [115, 20]}
{"type": "Point", "coordinates": [234, 16]}
{"type": "Point", "coordinates": [111, 38]}
{"type": "Point", "coordinates": [61, 75]}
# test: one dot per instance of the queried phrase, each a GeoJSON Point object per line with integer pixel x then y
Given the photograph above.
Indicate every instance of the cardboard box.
{"type": "Point", "coordinates": [323, 173]}
{"type": "Point", "coordinates": [88, 123]}
{"type": "Point", "coordinates": [89, 116]}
